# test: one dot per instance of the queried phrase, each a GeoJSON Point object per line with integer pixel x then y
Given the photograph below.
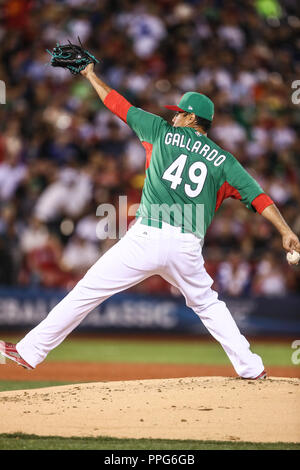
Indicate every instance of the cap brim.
{"type": "Point", "coordinates": [175, 108]}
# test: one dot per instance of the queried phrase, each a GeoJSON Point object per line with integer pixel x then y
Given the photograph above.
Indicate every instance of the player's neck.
{"type": "Point", "coordinates": [198, 129]}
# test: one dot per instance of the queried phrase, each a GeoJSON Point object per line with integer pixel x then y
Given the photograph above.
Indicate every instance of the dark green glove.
{"type": "Point", "coordinates": [72, 57]}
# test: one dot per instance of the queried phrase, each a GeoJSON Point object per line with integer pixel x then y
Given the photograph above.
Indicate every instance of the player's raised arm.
{"type": "Point", "coordinates": [101, 88]}
{"type": "Point", "coordinates": [111, 98]}
{"type": "Point", "coordinates": [78, 60]}
{"type": "Point", "coordinates": [146, 125]}
{"type": "Point", "coordinates": [290, 241]}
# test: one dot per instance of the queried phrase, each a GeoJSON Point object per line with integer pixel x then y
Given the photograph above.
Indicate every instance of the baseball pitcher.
{"type": "Point", "coordinates": [187, 178]}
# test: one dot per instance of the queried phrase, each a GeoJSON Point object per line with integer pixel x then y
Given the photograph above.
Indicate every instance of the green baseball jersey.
{"type": "Point", "coordinates": [187, 174]}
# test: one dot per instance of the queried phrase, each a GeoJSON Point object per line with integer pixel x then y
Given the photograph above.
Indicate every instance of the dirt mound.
{"type": "Point", "coordinates": [205, 408]}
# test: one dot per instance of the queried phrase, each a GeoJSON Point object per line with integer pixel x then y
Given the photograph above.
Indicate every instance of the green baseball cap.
{"type": "Point", "coordinates": [192, 102]}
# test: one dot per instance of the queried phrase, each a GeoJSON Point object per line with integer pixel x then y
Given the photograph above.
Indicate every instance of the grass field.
{"type": "Point", "coordinates": [6, 385]}
{"type": "Point", "coordinates": [168, 352]}
{"type": "Point", "coordinates": [31, 442]}
{"type": "Point", "coordinates": [138, 351]}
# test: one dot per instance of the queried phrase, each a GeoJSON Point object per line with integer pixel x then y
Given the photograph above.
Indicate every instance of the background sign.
{"type": "Point", "coordinates": [23, 308]}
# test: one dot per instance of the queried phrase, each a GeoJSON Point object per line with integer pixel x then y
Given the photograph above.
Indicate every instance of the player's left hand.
{"type": "Point", "coordinates": [88, 69]}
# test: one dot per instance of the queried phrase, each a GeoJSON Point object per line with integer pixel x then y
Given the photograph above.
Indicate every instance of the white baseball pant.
{"type": "Point", "coordinates": [143, 252]}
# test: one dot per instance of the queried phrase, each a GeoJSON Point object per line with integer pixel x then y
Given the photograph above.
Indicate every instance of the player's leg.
{"type": "Point", "coordinates": [187, 272]}
{"type": "Point", "coordinates": [124, 265]}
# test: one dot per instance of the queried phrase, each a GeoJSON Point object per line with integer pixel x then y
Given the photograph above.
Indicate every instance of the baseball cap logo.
{"type": "Point", "coordinates": [190, 107]}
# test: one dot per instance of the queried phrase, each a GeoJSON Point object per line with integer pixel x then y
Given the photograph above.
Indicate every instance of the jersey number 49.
{"type": "Point", "coordinates": [197, 174]}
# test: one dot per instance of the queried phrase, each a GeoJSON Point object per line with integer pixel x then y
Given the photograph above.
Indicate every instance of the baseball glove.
{"type": "Point", "coordinates": [72, 57]}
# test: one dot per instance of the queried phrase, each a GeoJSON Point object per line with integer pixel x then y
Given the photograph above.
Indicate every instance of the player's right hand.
{"type": "Point", "coordinates": [291, 242]}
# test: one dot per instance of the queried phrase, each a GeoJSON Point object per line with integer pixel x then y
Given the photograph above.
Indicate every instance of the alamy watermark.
{"type": "Point", "coordinates": [188, 218]}
{"type": "Point", "coordinates": [296, 93]}
{"type": "Point", "coordinates": [296, 354]}
{"type": "Point", "coordinates": [2, 92]}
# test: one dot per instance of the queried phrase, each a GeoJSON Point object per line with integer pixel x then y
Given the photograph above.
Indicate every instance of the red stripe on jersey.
{"type": "Point", "coordinates": [225, 191]}
{"type": "Point", "coordinates": [117, 104]}
{"type": "Point", "coordinates": [261, 202]}
{"type": "Point", "coordinates": [148, 147]}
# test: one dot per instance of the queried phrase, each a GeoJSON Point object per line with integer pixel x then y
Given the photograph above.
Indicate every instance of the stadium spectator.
{"type": "Point", "coordinates": [269, 279]}
{"type": "Point", "coordinates": [234, 275]}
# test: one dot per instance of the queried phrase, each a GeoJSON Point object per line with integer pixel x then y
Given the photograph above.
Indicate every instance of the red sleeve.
{"type": "Point", "coordinates": [261, 202]}
{"type": "Point", "coordinates": [225, 191]}
{"type": "Point", "coordinates": [117, 104]}
{"type": "Point", "coordinates": [148, 147]}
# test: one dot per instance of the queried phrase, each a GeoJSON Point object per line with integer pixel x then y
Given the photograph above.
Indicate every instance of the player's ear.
{"type": "Point", "coordinates": [192, 118]}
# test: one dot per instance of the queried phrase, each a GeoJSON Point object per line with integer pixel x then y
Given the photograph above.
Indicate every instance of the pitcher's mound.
{"type": "Point", "coordinates": [204, 408]}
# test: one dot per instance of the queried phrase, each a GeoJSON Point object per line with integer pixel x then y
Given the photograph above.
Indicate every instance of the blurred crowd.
{"type": "Point", "coordinates": [62, 153]}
